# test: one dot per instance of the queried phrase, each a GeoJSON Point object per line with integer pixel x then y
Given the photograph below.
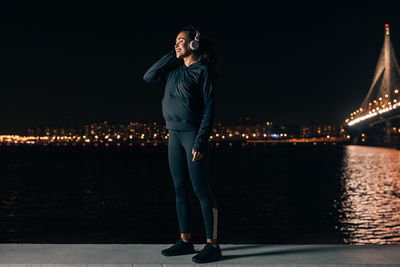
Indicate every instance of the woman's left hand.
{"type": "Point", "coordinates": [197, 155]}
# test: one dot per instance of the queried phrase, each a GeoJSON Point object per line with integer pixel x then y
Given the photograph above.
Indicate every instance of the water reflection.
{"type": "Point", "coordinates": [370, 204]}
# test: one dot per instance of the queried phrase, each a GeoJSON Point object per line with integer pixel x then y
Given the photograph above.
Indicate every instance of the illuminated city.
{"type": "Point", "coordinates": [156, 133]}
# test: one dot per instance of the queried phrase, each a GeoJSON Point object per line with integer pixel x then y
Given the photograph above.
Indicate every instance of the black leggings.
{"type": "Point", "coordinates": [180, 162]}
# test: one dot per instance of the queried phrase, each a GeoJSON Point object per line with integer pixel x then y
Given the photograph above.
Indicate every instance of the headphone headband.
{"type": "Point", "coordinates": [197, 37]}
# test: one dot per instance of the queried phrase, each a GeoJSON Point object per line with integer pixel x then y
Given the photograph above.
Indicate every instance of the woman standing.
{"type": "Point", "coordinates": [188, 110]}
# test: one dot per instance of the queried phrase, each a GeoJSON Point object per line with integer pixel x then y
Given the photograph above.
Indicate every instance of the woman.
{"type": "Point", "coordinates": [188, 110]}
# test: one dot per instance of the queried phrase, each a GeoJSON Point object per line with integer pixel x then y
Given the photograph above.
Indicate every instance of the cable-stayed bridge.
{"type": "Point", "coordinates": [379, 112]}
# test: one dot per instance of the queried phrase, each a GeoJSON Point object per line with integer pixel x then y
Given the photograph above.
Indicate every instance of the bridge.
{"type": "Point", "coordinates": [376, 120]}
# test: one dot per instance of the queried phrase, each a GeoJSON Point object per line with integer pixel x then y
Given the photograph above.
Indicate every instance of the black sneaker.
{"type": "Point", "coordinates": [179, 248]}
{"type": "Point", "coordinates": [207, 254]}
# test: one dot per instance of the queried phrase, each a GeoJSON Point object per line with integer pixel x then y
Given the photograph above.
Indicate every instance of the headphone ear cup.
{"type": "Point", "coordinates": [194, 45]}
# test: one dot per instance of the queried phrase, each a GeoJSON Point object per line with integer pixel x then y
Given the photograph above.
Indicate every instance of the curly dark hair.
{"type": "Point", "coordinates": [207, 52]}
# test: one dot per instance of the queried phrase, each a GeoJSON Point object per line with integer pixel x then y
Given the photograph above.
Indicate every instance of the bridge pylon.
{"type": "Point", "coordinates": [383, 95]}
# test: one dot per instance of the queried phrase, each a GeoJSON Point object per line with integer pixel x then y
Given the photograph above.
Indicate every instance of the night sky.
{"type": "Point", "coordinates": [304, 64]}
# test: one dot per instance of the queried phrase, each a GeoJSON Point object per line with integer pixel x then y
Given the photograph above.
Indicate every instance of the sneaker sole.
{"type": "Point", "coordinates": [211, 260]}
{"type": "Point", "coordinates": [178, 254]}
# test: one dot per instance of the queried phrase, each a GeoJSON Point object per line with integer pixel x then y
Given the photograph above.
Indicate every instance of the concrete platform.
{"type": "Point", "coordinates": [233, 255]}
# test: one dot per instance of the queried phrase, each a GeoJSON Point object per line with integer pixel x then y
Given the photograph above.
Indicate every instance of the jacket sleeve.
{"type": "Point", "coordinates": [158, 72]}
{"type": "Point", "coordinates": [207, 89]}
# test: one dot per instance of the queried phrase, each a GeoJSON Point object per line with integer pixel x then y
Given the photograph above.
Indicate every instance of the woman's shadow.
{"type": "Point", "coordinates": [273, 250]}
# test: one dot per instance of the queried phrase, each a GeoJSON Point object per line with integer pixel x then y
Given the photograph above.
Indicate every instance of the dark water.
{"type": "Point", "coordinates": [303, 194]}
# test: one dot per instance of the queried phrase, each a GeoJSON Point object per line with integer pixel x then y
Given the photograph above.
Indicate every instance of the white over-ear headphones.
{"type": "Point", "coordinates": [194, 44]}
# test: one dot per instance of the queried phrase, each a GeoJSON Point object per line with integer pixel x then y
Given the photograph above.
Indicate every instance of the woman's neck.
{"type": "Point", "coordinates": [189, 60]}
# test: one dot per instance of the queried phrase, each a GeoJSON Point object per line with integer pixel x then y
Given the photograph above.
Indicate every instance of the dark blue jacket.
{"type": "Point", "coordinates": [188, 101]}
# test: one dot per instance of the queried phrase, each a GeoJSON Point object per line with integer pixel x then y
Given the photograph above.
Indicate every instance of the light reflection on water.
{"type": "Point", "coordinates": [370, 203]}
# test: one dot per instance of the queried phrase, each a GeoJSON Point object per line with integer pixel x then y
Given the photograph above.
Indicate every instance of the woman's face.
{"type": "Point", "coordinates": [182, 45]}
